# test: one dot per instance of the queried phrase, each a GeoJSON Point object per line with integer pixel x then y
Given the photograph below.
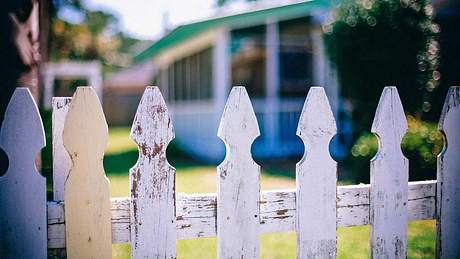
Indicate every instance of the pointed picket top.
{"type": "Point", "coordinates": [152, 180]}
{"type": "Point", "coordinates": [448, 190]}
{"type": "Point", "coordinates": [389, 119]}
{"type": "Point", "coordinates": [85, 121]}
{"type": "Point", "coordinates": [239, 181]}
{"type": "Point", "coordinates": [87, 190]}
{"type": "Point", "coordinates": [23, 116]}
{"type": "Point", "coordinates": [22, 188]}
{"type": "Point", "coordinates": [152, 123]}
{"type": "Point", "coordinates": [316, 117]}
{"type": "Point", "coordinates": [316, 180]}
{"type": "Point", "coordinates": [389, 177]}
{"type": "Point", "coordinates": [450, 110]}
{"type": "Point", "coordinates": [238, 122]}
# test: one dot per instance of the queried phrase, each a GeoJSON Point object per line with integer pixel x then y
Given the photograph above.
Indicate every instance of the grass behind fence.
{"type": "Point", "coordinates": [353, 242]}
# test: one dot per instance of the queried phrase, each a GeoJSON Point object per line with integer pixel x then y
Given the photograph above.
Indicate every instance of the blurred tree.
{"type": "Point", "coordinates": [448, 18]}
{"type": "Point", "coordinates": [378, 43]}
{"type": "Point", "coordinates": [95, 36]}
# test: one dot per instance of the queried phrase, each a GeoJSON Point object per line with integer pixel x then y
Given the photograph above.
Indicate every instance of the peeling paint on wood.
{"type": "Point", "coordinates": [153, 219]}
{"type": "Point", "coordinates": [448, 196]}
{"type": "Point", "coordinates": [22, 188]}
{"type": "Point", "coordinates": [87, 190]}
{"type": "Point", "coordinates": [238, 185]}
{"type": "Point", "coordinates": [196, 213]}
{"type": "Point", "coordinates": [316, 180]}
{"type": "Point", "coordinates": [61, 159]}
{"type": "Point", "coordinates": [389, 177]}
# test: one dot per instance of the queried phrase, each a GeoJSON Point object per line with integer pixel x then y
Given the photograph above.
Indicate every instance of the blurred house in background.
{"type": "Point", "coordinates": [276, 52]}
{"type": "Point", "coordinates": [123, 90]}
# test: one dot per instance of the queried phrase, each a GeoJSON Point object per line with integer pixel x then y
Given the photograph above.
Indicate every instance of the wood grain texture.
{"type": "Point", "coordinates": [316, 180]}
{"type": "Point", "coordinates": [238, 185]}
{"type": "Point", "coordinates": [22, 188]}
{"type": "Point", "coordinates": [87, 191]}
{"type": "Point", "coordinates": [389, 177]}
{"type": "Point", "coordinates": [448, 196]}
{"type": "Point", "coordinates": [61, 159]}
{"type": "Point", "coordinates": [152, 179]}
{"type": "Point", "coordinates": [196, 214]}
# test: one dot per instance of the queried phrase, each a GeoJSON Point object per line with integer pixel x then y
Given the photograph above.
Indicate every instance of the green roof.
{"type": "Point", "coordinates": [187, 31]}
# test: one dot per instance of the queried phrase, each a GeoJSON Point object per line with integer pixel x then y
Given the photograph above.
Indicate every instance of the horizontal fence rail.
{"type": "Point", "coordinates": [85, 221]}
{"type": "Point", "coordinates": [196, 214]}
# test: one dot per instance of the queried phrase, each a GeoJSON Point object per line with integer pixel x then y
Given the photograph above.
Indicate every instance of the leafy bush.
{"type": "Point", "coordinates": [421, 145]}
{"type": "Point", "coordinates": [376, 43]}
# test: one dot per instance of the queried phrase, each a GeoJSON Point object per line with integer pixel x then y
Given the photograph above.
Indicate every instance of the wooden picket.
{"type": "Point", "coordinates": [238, 187]}
{"type": "Point", "coordinates": [316, 180]}
{"type": "Point", "coordinates": [448, 196]}
{"type": "Point", "coordinates": [389, 177]}
{"type": "Point", "coordinates": [61, 159]}
{"type": "Point", "coordinates": [22, 188]}
{"type": "Point", "coordinates": [154, 217]}
{"type": "Point", "coordinates": [87, 191]}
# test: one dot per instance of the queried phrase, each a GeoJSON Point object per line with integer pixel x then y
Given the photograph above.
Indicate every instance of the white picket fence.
{"type": "Point", "coordinates": [85, 221]}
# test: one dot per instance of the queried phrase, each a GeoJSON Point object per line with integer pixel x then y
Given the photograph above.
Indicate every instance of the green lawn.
{"type": "Point", "coordinates": [353, 242]}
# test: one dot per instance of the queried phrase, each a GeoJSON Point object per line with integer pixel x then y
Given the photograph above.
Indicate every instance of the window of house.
{"type": "Point", "coordinates": [296, 54]}
{"type": "Point", "coordinates": [190, 78]}
{"type": "Point", "coordinates": [248, 59]}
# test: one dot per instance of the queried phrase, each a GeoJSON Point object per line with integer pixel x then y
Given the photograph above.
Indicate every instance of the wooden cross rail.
{"type": "Point", "coordinates": [196, 214]}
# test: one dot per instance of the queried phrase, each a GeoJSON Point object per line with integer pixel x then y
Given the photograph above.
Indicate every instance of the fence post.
{"type": "Point", "coordinates": [61, 159]}
{"type": "Point", "coordinates": [87, 191]}
{"type": "Point", "coordinates": [389, 178]}
{"type": "Point", "coordinates": [448, 185]}
{"type": "Point", "coordinates": [316, 180]}
{"type": "Point", "coordinates": [238, 186]}
{"type": "Point", "coordinates": [152, 179]}
{"type": "Point", "coordinates": [23, 219]}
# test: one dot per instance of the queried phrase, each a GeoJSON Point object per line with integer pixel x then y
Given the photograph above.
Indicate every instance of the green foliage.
{"type": "Point", "coordinates": [421, 145]}
{"type": "Point", "coordinates": [96, 37]}
{"type": "Point", "coordinates": [375, 43]}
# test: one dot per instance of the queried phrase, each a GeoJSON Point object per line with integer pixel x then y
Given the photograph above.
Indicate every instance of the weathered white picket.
{"type": "Point", "coordinates": [61, 159]}
{"type": "Point", "coordinates": [152, 180]}
{"type": "Point", "coordinates": [316, 180]}
{"type": "Point", "coordinates": [389, 175]}
{"type": "Point", "coordinates": [238, 186]}
{"type": "Point", "coordinates": [448, 191]}
{"type": "Point", "coordinates": [153, 218]}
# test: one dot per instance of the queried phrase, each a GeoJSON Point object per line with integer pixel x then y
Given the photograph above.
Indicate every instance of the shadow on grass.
{"type": "Point", "coordinates": [279, 167]}
{"type": "Point", "coordinates": [120, 163]}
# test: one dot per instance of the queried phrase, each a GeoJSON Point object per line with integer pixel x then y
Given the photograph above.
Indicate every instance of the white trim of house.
{"type": "Point", "coordinates": [221, 73]}
{"type": "Point", "coordinates": [90, 70]}
{"type": "Point", "coordinates": [272, 79]}
{"type": "Point", "coordinates": [319, 61]}
{"type": "Point", "coordinates": [324, 73]}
